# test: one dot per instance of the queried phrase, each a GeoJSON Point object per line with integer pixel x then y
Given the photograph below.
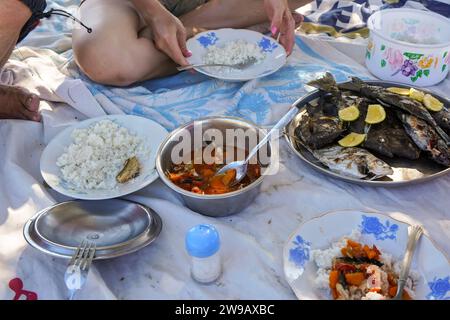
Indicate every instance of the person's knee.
{"type": "Point", "coordinates": [104, 65]}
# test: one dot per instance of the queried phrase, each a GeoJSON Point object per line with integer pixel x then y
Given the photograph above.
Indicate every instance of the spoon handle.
{"type": "Point", "coordinates": [276, 128]}
{"type": "Point", "coordinates": [415, 233]}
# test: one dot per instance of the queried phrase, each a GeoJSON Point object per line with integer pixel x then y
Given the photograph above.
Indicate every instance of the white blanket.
{"type": "Point", "coordinates": [252, 241]}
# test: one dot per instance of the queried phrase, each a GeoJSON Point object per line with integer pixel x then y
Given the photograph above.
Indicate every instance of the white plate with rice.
{"type": "Point", "coordinates": [309, 252]}
{"type": "Point", "coordinates": [233, 46]}
{"type": "Point", "coordinates": [84, 160]}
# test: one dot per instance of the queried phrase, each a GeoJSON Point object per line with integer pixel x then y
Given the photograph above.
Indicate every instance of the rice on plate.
{"type": "Point", "coordinates": [98, 154]}
{"type": "Point", "coordinates": [356, 271]}
{"type": "Point", "coordinates": [234, 52]}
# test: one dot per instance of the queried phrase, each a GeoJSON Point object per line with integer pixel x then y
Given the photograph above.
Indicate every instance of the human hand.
{"type": "Point", "coordinates": [282, 22]}
{"type": "Point", "coordinates": [169, 36]}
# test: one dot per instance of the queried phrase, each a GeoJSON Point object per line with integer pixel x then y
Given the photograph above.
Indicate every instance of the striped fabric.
{"type": "Point", "coordinates": [345, 18]}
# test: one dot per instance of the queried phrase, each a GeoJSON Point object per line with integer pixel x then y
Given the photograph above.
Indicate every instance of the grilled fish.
{"type": "Point", "coordinates": [389, 99]}
{"type": "Point", "coordinates": [321, 125]}
{"type": "Point", "coordinates": [318, 130]}
{"type": "Point", "coordinates": [426, 138]}
{"type": "Point", "coordinates": [443, 119]}
{"type": "Point", "coordinates": [387, 138]}
{"type": "Point", "coordinates": [352, 162]}
{"type": "Point", "coordinates": [130, 170]}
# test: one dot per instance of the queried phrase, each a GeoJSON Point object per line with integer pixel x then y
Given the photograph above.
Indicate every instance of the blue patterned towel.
{"type": "Point", "coordinates": [344, 18]}
{"type": "Point", "coordinates": [178, 99]}
{"type": "Point", "coordinates": [175, 100]}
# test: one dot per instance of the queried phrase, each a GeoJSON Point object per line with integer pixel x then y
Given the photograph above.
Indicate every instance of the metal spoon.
{"type": "Point", "coordinates": [243, 65]}
{"type": "Point", "coordinates": [241, 166]}
{"type": "Point", "coordinates": [415, 232]}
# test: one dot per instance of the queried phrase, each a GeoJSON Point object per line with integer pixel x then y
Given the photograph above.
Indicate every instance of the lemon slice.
{"type": "Point", "coordinates": [349, 114]}
{"type": "Point", "coordinates": [416, 94]}
{"type": "Point", "coordinates": [432, 103]}
{"type": "Point", "coordinates": [352, 140]}
{"type": "Point", "coordinates": [375, 114]}
{"type": "Point", "coordinates": [400, 91]}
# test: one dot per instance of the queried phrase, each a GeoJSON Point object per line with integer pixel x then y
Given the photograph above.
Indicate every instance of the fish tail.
{"type": "Point", "coordinates": [356, 85]}
{"type": "Point", "coordinates": [326, 83]}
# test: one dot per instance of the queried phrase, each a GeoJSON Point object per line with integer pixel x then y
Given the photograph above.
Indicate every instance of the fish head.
{"type": "Point", "coordinates": [327, 84]}
{"type": "Point", "coordinates": [379, 168]}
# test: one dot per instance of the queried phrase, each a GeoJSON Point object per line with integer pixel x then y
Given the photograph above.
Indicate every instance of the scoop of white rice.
{"type": "Point", "coordinates": [97, 154]}
{"type": "Point", "coordinates": [234, 52]}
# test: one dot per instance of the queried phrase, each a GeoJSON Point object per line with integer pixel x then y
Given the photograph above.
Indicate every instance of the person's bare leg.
{"type": "Point", "coordinates": [115, 53]}
{"type": "Point", "coordinates": [15, 102]}
{"type": "Point", "coordinates": [120, 50]}
{"type": "Point", "coordinates": [229, 14]}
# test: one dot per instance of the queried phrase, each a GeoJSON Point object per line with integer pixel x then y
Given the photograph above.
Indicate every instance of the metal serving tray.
{"type": "Point", "coordinates": [406, 172]}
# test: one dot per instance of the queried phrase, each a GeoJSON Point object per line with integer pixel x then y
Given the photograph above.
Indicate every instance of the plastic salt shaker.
{"type": "Point", "coordinates": [203, 244]}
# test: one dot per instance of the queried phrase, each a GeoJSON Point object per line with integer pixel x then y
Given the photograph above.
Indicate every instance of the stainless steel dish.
{"type": "Point", "coordinates": [406, 172]}
{"type": "Point", "coordinates": [210, 205]}
{"type": "Point", "coordinates": [116, 226]}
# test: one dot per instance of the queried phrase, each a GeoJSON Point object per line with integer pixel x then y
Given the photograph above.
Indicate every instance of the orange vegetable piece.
{"type": "Point", "coordinates": [374, 248]}
{"type": "Point", "coordinates": [175, 177]}
{"type": "Point", "coordinates": [229, 176]}
{"type": "Point", "coordinates": [353, 244]}
{"type": "Point", "coordinates": [216, 186]}
{"type": "Point", "coordinates": [334, 278]}
{"type": "Point", "coordinates": [393, 291]}
{"type": "Point", "coordinates": [334, 294]}
{"type": "Point", "coordinates": [196, 190]}
{"type": "Point", "coordinates": [372, 254]}
{"type": "Point", "coordinates": [355, 278]}
{"type": "Point", "coordinates": [207, 172]}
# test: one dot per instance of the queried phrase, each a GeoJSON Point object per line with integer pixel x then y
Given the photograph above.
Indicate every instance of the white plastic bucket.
{"type": "Point", "coordinates": [409, 46]}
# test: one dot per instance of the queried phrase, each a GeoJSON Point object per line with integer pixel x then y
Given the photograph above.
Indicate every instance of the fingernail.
{"type": "Point", "coordinates": [188, 53]}
{"type": "Point", "coordinates": [274, 30]}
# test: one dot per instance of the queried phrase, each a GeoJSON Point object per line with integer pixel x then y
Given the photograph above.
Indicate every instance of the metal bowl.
{"type": "Point", "coordinates": [116, 226]}
{"type": "Point", "coordinates": [211, 205]}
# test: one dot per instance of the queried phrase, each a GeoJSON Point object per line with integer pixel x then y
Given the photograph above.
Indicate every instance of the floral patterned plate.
{"type": "Point", "coordinates": [275, 55]}
{"type": "Point", "coordinates": [388, 234]}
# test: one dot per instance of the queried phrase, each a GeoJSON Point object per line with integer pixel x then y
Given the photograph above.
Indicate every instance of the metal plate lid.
{"type": "Point", "coordinates": [117, 227]}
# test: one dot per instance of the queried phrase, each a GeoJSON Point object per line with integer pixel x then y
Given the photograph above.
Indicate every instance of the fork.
{"type": "Point", "coordinates": [414, 234]}
{"type": "Point", "coordinates": [243, 65]}
{"type": "Point", "coordinates": [78, 268]}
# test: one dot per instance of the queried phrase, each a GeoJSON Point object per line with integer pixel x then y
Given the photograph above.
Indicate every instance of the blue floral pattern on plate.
{"type": "Point", "coordinates": [209, 39]}
{"type": "Point", "coordinates": [439, 288]}
{"type": "Point", "coordinates": [372, 225]}
{"type": "Point", "coordinates": [266, 45]}
{"type": "Point", "coordinates": [300, 254]}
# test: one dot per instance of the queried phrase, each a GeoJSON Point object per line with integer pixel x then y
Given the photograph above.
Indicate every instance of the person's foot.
{"type": "Point", "coordinates": [18, 103]}
{"type": "Point", "coordinates": [265, 27]}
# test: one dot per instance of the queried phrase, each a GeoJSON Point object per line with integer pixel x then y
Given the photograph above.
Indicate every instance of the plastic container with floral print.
{"type": "Point", "coordinates": [409, 46]}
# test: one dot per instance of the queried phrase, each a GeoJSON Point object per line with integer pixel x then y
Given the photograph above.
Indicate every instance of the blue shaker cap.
{"type": "Point", "coordinates": [202, 241]}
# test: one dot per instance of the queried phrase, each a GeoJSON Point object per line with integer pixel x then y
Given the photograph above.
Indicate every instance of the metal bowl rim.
{"type": "Point", "coordinates": [179, 190]}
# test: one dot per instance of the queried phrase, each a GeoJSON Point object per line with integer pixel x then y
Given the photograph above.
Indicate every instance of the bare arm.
{"type": "Point", "coordinates": [13, 16]}
{"type": "Point", "coordinates": [168, 32]}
